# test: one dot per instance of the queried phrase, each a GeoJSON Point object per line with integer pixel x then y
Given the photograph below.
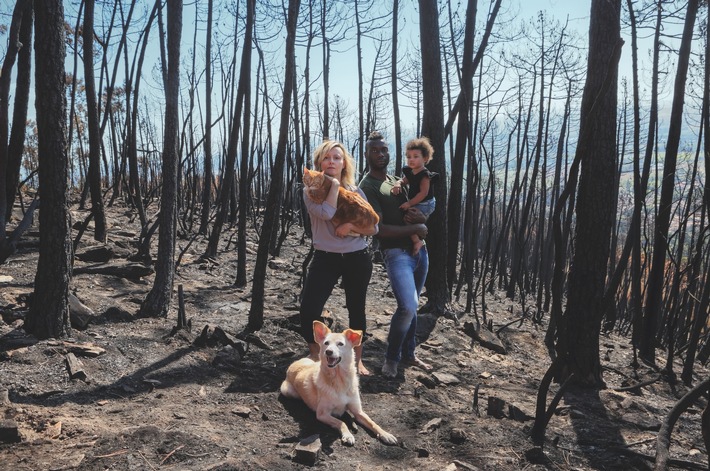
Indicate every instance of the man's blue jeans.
{"type": "Point", "coordinates": [407, 274]}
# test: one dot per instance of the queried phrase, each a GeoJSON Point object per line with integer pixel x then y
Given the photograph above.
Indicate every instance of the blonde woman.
{"type": "Point", "coordinates": [335, 256]}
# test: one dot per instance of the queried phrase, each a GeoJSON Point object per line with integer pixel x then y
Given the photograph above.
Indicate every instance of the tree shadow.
{"type": "Point", "coordinates": [598, 433]}
{"type": "Point", "coordinates": [152, 377]}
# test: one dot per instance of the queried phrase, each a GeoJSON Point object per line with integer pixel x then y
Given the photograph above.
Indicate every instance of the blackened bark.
{"type": "Point", "coordinates": [49, 309]}
{"type": "Point", "coordinates": [157, 303]}
{"type": "Point", "coordinates": [5, 78]}
{"type": "Point", "coordinates": [227, 187]}
{"type": "Point", "coordinates": [19, 115]}
{"type": "Point", "coordinates": [256, 311]}
{"type": "Point", "coordinates": [94, 180]}
{"type": "Point", "coordinates": [454, 205]}
{"type": "Point", "coordinates": [701, 313]}
{"type": "Point", "coordinates": [241, 279]}
{"type": "Point", "coordinates": [207, 177]}
{"type": "Point", "coordinates": [654, 291]}
{"type": "Point", "coordinates": [433, 128]}
{"type": "Point", "coordinates": [596, 152]}
{"type": "Point", "coordinates": [395, 94]}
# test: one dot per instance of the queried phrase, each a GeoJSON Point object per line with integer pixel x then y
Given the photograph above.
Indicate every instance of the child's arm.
{"type": "Point", "coordinates": [397, 188]}
{"type": "Point", "coordinates": [419, 197]}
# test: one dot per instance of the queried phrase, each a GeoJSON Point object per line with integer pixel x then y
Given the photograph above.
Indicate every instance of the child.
{"type": "Point", "coordinates": [418, 153]}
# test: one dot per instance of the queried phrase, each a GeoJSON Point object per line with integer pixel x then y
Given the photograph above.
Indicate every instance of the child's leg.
{"type": "Point", "coordinates": [417, 244]}
{"type": "Point", "coordinates": [426, 207]}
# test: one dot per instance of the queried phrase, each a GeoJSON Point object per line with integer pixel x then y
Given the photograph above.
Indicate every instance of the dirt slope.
{"type": "Point", "coordinates": [153, 400]}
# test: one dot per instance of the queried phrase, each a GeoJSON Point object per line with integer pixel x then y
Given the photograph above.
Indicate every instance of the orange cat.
{"type": "Point", "coordinates": [353, 214]}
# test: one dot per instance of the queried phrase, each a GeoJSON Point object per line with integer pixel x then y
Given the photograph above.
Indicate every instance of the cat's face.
{"type": "Point", "coordinates": [316, 185]}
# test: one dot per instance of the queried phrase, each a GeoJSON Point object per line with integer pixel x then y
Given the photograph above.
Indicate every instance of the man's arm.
{"type": "Point", "coordinates": [414, 216]}
{"type": "Point", "coordinates": [415, 225]}
{"type": "Point", "coordinates": [390, 231]}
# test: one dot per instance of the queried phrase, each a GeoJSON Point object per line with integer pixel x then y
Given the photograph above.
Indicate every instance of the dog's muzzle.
{"type": "Point", "coordinates": [331, 360]}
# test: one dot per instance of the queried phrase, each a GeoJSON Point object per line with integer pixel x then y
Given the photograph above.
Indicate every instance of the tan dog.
{"type": "Point", "coordinates": [330, 385]}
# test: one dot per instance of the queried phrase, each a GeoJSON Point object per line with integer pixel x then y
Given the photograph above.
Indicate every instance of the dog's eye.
{"type": "Point", "coordinates": [326, 343]}
{"type": "Point", "coordinates": [340, 344]}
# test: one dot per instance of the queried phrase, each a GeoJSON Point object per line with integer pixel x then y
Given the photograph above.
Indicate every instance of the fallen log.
{"type": "Point", "coordinates": [75, 367]}
{"type": "Point", "coordinates": [128, 270]}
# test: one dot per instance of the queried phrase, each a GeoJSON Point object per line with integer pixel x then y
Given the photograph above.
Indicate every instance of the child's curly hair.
{"type": "Point", "coordinates": [421, 144]}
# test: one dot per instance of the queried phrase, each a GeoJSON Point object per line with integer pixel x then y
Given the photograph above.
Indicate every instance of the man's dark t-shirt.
{"type": "Point", "coordinates": [387, 206]}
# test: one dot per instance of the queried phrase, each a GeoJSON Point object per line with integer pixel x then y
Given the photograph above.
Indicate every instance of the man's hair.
{"type": "Point", "coordinates": [421, 144]}
{"type": "Point", "coordinates": [375, 136]}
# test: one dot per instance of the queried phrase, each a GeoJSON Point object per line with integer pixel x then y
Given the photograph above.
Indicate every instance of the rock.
{"type": "Point", "coordinates": [536, 455]}
{"type": "Point", "coordinates": [485, 337]}
{"type": "Point", "coordinates": [227, 358]}
{"type": "Point", "coordinates": [53, 430]}
{"type": "Point", "coordinates": [458, 436]}
{"type": "Point", "coordinates": [308, 450]}
{"type": "Point", "coordinates": [432, 425]}
{"type": "Point", "coordinates": [79, 314]}
{"type": "Point", "coordinates": [279, 264]}
{"type": "Point", "coordinates": [422, 453]}
{"type": "Point", "coordinates": [16, 339]}
{"type": "Point", "coordinates": [446, 378]}
{"type": "Point", "coordinates": [466, 466]}
{"type": "Point", "coordinates": [495, 407]}
{"type": "Point", "coordinates": [212, 336]}
{"type": "Point", "coordinates": [116, 314]}
{"type": "Point", "coordinates": [9, 432]}
{"type": "Point", "coordinates": [518, 414]}
{"type": "Point", "coordinates": [642, 421]}
{"type": "Point", "coordinates": [82, 349]}
{"type": "Point", "coordinates": [242, 411]}
{"type": "Point", "coordinates": [101, 254]}
{"type": "Point", "coordinates": [427, 381]}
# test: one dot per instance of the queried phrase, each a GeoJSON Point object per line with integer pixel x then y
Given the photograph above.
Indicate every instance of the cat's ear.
{"type": "Point", "coordinates": [307, 175]}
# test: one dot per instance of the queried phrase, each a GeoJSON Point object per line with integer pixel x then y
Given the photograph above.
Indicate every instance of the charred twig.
{"type": "Point", "coordinates": [664, 434]}
{"type": "Point", "coordinates": [639, 385]}
{"type": "Point", "coordinates": [542, 417]}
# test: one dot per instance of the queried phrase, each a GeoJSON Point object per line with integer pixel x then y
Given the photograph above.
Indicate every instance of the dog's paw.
{"type": "Point", "coordinates": [348, 439]}
{"type": "Point", "coordinates": [387, 438]}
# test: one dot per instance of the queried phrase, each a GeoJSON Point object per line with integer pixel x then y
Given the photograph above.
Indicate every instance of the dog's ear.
{"type": "Point", "coordinates": [353, 336]}
{"type": "Point", "coordinates": [320, 330]}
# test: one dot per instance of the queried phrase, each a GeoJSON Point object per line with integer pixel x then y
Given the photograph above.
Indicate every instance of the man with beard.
{"type": "Point", "coordinates": [406, 271]}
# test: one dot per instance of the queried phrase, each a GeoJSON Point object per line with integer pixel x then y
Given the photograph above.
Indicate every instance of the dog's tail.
{"type": "Point", "coordinates": [288, 390]}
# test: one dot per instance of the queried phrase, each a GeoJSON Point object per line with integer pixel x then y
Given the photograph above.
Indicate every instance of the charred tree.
{"type": "Point", "coordinates": [229, 167]}
{"type": "Point", "coordinates": [245, 184]}
{"type": "Point", "coordinates": [19, 115]}
{"type": "Point", "coordinates": [19, 17]}
{"type": "Point", "coordinates": [580, 325]}
{"type": "Point", "coordinates": [654, 291]}
{"type": "Point", "coordinates": [157, 302]}
{"type": "Point", "coordinates": [94, 180]}
{"type": "Point", "coordinates": [207, 175]}
{"type": "Point", "coordinates": [48, 316]}
{"type": "Point", "coordinates": [433, 128]}
{"type": "Point", "coordinates": [269, 227]}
